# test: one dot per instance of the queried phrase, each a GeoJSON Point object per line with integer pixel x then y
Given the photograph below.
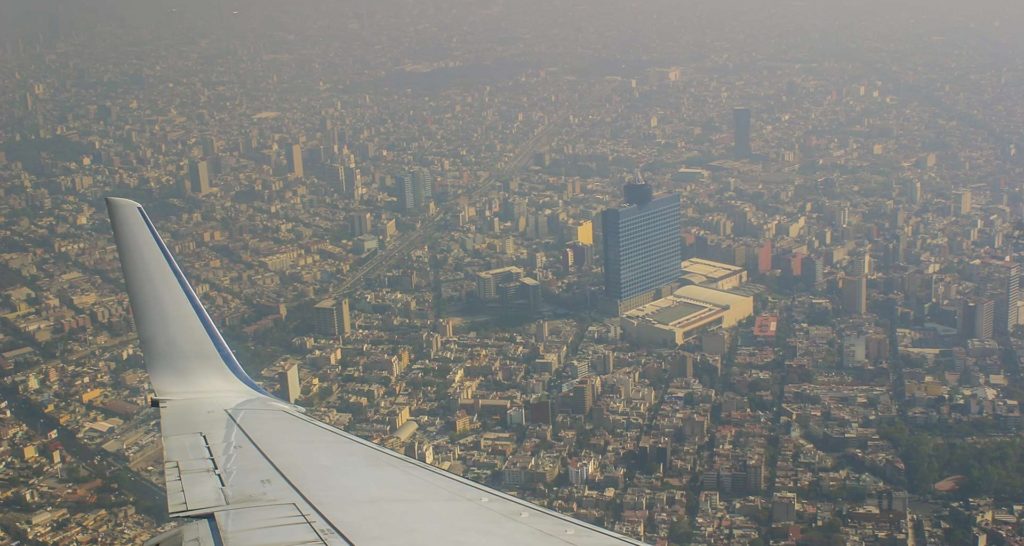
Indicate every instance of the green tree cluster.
{"type": "Point", "coordinates": [993, 466]}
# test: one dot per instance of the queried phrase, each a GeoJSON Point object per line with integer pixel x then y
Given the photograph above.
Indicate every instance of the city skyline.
{"type": "Point", "coordinates": [694, 273]}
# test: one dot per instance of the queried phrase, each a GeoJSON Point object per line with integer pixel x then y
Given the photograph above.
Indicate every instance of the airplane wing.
{"type": "Point", "coordinates": [244, 468]}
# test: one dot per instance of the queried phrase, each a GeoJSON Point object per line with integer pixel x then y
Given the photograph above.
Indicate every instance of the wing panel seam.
{"type": "Point", "coordinates": [292, 485]}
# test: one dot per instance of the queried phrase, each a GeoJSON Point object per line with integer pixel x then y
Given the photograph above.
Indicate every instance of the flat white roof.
{"type": "Point", "coordinates": [709, 269]}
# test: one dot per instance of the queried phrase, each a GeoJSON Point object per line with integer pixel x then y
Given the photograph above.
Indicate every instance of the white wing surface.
{"type": "Point", "coordinates": [243, 468]}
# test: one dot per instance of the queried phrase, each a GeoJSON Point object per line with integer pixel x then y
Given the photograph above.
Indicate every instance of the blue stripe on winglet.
{"type": "Point", "coordinates": [218, 342]}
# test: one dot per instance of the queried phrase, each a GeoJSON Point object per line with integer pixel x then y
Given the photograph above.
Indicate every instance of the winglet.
{"type": "Point", "coordinates": [185, 354]}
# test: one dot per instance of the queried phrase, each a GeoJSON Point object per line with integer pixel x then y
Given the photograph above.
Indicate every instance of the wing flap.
{"type": "Point", "coordinates": [191, 474]}
{"type": "Point", "coordinates": [268, 525]}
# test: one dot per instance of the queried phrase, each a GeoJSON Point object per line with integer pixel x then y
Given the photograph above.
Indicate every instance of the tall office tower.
{"type": "Point", "coordinates": [841, 215]}
{"type": "Point", "coordinates": [211, 151]}
{"type": "Point", "coordinates": [812, 272]}
{"type": "Point", "coordinates": [764, 257]}
{"type": "Point", "coordinates": [537, 226]}
{"type": "Point", "coordinates": [356, 184]}
{"type": "Point", "coordinates": [962, 202]}
{"type": "Point", "coordinates": [581, 232]}
{"type": "Point", "coordinates": [404, 192]}
{"type": "Point", "coordinates": [365, 150]}
{"type": "Point", "coordinates": [656, 452]}
{"type": "Point", "coordinates": [582, 398]}
{"type": "Point", "coordinates": [489, 283]}
{"type": "Point", "coordinates": [1001, 280]}
{"type": "Point", "coordinates": [984, 319]}
{"type": "Point", "coordinates": [334, 173]}
{"type": "Point", "coordinates": [642, 246]}
{"type": "Point", "coordinates": [582, 254]}
{"type": "Point", "coordinates": [290, 387]}
{"type": "Point", "coordinates": [316, 157]}
{"type": "Point", "coordinates": [824, 236]}
{"type": "Point", "coordinates": [608, 362]}
{"type": "Point", "coordinates": [966, 318]}
{"type": "Point", "coordinates": [325, 315]}
{"type": "Point", "coordinates": [245, 145]}
{"type": "Point", "coordinates": [741, 132]}
{"type": "Point", "coordinates": [446, 327]}
{"type": "Point", "coordinates": [414, 190]}
{"type": "Point", "coordinates": [637, 193]}
{"type": "Point", "coordinates": [1012, 298]}
{"type": "Point", "coordinates": [422, 188]}
{"type": "Point", "coordinates": [199, 177]}
{"type": "Point", "coordinates": [977, 319]}
{"type": "Point", "coordinates": [569, 258]}
{"type": "Point", "coordinates": [899, 217]}
{"type": "Point", "coordinates": [350, 182]}
{"type": "Point", "coordinates": [293, 153]}
{"type": "Point", "coordinates": [855, 295]}
{"type": "Point", "coordinates": [362, 223]}
{"type": "Point", "coordinates": [346, 318]}
{"type": "Point", "coordinates": [784, 508]}
{"type": "Point", "coordinates": [540, 331]}
{"type": "Point", "coordinates": [210, 146]}
{"type": "Point", "coordinates": [914, 194]}
{"type": "Point", "coordinates": [862, 264]}
{"type": "Point", "coordinates": [512, 208]}
{"type": "Point", "coordinates": [539, 411]}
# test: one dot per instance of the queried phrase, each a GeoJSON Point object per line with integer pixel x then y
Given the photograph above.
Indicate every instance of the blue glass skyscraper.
{"type": "Point", "coordinates": [642, 249]}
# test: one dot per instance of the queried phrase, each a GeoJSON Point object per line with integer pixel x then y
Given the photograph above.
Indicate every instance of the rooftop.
{"type": "Point", "coordinates": [709, 269]}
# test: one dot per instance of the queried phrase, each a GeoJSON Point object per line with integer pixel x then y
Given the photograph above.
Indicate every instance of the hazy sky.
{"type": "Point", "coordinates": [634, 27]}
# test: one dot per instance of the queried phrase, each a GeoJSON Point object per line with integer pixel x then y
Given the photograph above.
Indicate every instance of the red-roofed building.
{"type": "Point", "coordinates": [765, 326]}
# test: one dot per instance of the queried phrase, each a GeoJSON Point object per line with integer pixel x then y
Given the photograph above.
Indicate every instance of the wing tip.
{"type": "Point", "coordinates": [118, 202]}
{"type": "Point", "coordinates": [120, 209]}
